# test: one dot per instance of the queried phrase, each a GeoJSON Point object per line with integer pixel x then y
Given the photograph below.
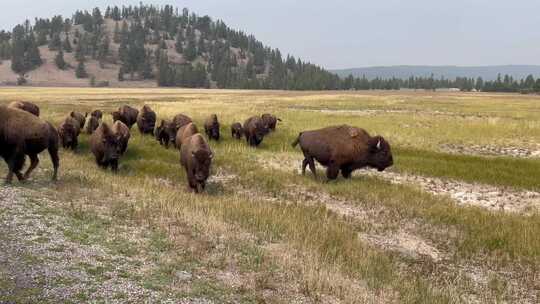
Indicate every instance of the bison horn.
{"type": "Point", "coordinates": [379, 145]}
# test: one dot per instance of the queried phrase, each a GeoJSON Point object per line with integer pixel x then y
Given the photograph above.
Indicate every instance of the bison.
{"type": "Point", "coordinates": [92, 125]}
{"type": "Point", "coordinates": [69, 133]}
{"type": "Point", "coordinates": [146, 120]}
{"type": "Point", "coordinates": [97, 114]}
{"type": "Point", "coordinates": [184, 133]}
{"type": "Point", "coordinates": [122, 134]}
{"type": "Point", "coordinates": [25, 106]}
{"type": "Point", "coordinates": [211, 127]}
{"type": "Point", "coordinates": [127, 115]}
{"type": "Point", "coordinates": [80, 118]}
{"type": "Point", "coordinates": [181, 120]}
{"type": "Point", "coordinates": [106, 147]}
{"type": "Point", "coordinates": [270, 121]}
{"type": "Point", "coordinates": [254, 130]}
{"type": "Point", "coordinates": [165, 133]}
{"type": "Point", "coordinates": [236, 130]}
{"type": "Point", "coordinates": [21, 134]}
{"type": "Point", "coordinates": [196, 158]}
{"type": "Point", "coordinates": [343, 148]}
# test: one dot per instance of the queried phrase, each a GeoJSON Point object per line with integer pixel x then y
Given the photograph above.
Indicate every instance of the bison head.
{"type": "Point", "coordinates": [67, 135]}
{"type": "Point", "coordinates": [380, 155]}
{"type": "Point", "coordinates": [201, 165]}
{"type": "Point", "coordinates": [112, 148]}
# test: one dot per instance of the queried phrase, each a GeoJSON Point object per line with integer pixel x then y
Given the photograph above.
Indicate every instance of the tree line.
{"type": "Point", "coordinates": [179, 48]}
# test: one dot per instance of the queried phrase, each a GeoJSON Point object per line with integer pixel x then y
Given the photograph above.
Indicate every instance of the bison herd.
{"type": "Point", "coordinates": [22, 133]}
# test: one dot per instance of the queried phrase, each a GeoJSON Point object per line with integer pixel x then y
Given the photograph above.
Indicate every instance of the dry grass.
{"type": "Point", "coordinates": [315, 244]}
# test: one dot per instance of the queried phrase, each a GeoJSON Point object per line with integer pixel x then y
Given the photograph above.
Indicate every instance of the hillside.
{"type": "Point", "coordinates": [148, 46]}
{"type": "Point", "coordinates": [449, 72]}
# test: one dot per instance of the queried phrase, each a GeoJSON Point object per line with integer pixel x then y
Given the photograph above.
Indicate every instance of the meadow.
{"type": "Point", "coordinates": [263, 233]}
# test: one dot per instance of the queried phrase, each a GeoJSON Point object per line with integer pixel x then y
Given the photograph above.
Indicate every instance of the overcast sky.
{"type": "Point", "coordinates": [349, 33]}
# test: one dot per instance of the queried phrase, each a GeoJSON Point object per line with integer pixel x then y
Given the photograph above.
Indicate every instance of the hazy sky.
{"type": "Point", "coordinates": [355, 33]}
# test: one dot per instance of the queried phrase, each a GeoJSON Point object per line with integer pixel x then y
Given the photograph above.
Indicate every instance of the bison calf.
{"type": "Point", "coordinates": [236, 130]}
{"type": "Point", "coordinates": [343, 148]}
{"type": "Point", "coordinates": [146, 120]}
{"type": "Point", "coordinates": [196, 158]}
{"type": "Point", "coordinates": [106, 147]}
{"type": "Point", "coordinates": [211, 127]}
{"type": "Point", "coordinates": [21, 134]}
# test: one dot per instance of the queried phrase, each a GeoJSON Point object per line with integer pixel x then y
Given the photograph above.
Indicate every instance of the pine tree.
{"type": "Point", "coordinates": [33, 57]}
{"type": "Point", "coordinates": [59, 60]}
{"type": "Point", "coordinates": [179, 45]}
{"type": "Point", "coordinates": [121, 74]}
{"type": "Point", "coordinates": [42, 38]}
{"type": "Point", "coordinates": [67, 44]}
{"type": "Point", "coordinates": [116, 36]}
{"type": "Point", "coordinates": [81, 70]}
{"type": "Point", "coordinates": [190, 52]}
{"type": "Point", "coordinates": [18, 49]}
{"type": "Point", "coordinates": [55, 43]}
{"type": "Point", "coordinates": [79, 54]}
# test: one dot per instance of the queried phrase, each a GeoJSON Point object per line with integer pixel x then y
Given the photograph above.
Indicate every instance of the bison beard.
{"type": "Point", "coordinates": [343, 148]}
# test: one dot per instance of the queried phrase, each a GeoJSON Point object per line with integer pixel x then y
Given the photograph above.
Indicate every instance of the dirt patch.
{"type": "Point", "coordinates": [463, 193]}
{"type": "Point", "coordinates": [491, 150]}
{"type": "Point", "coordinates": [479, 195]}
{"type": "Point", "coordinates": [404, 243]}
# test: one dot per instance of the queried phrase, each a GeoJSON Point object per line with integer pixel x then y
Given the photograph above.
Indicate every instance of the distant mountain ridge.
{"type": "Point", "coordinates": [448, 72]}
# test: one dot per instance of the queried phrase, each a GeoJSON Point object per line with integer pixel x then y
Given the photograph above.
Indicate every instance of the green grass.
{"type": "Point", "coordinates": [156, 183]}
{"type": "Point", "coordinates": [498, 171]}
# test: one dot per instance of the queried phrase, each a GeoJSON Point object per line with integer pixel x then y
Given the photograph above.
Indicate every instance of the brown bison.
{"type": "Point", "coordinates": [196, 158]}
{"type": "Point", "coordinates": [25, 106]}
{"type": "Point", "coordinates": [97, 114]}
{"type": "Point", "coordinates": [211, 127]}
{"type": "Point", "coordinates": [184, 133]}
{"type": "Point", "coordinates": [22, 133]}
{"type": "Point", "coordinates": [181, 120]}
{"type": "Point", "coordinates": [254, 130]}
{"type": "Point", "coordinates": [122, 134]}
{"type": "Point", "coordinates": [92, 125]}
{"type": "Point", "coordinates": [69, 133]}
{"type": "Point", "coordinates": [343, 148]}
{"type": "Point", "coordinates": [146, 121]}
{"type": "Point", "coordinates": [80, 118]}
{"type": "Point", "coordinates": [236, 130]}
{"type": "Point", "coordinates": [270, 121]}
{"type": "Point", "coordinates": [165, 133]}
{"type": "Point", "coordinates": [106, 147]}
{"type": "Point", "coordinates": [127, 115]}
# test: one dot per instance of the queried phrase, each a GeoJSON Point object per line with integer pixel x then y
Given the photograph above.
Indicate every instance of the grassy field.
{"type": "Point", "coordinates": [262, 233]}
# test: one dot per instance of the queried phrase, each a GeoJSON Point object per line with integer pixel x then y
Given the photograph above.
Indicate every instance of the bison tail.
{"type": "Point", "coordinates": [279, 119]}
{"type": "Point", "coordinates": [296, 141]}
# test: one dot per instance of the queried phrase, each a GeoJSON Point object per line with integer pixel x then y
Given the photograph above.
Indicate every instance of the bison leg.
{"type": "Point", "coordinates": [114, 165]}
{"type": "Point", "coordinates": [346, 172]}
{"type": "Point", "coordinates": [15, 164]}
{"type": "Point", "coordinates": [34, 161]}
{"type": "Point", "coordinates": [311, 164]}
{"type": "Point", "coordinates": [332, 172]}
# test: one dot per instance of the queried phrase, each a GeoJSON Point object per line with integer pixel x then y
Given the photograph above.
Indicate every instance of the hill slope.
{"type": "Point", "coordinates": [148, 46]}
{"type": "Point", "coordinates": [448, 72]}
